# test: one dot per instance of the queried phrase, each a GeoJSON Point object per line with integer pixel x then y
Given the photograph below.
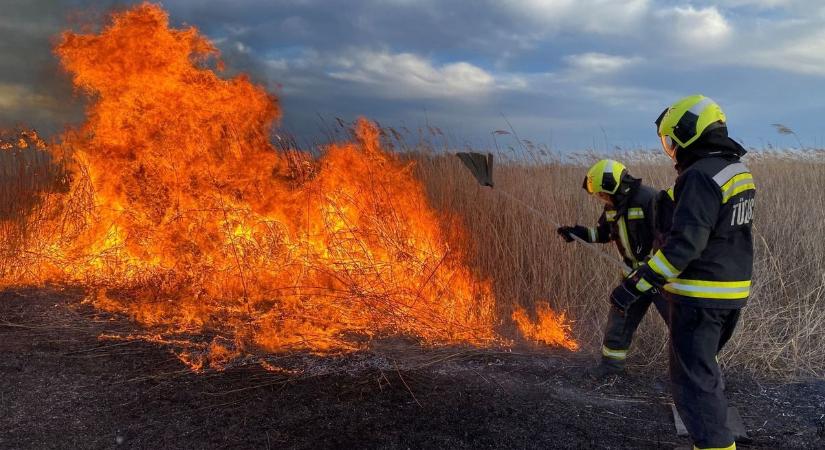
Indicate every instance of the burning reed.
{"type": "Point", "coordinates": [181, 213]}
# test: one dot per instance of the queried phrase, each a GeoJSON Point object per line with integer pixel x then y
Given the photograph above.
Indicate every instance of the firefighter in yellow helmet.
{"type": "Point", "coordinates": [704, 266]}
{"type": "Point", "coordinates": [629, 221]}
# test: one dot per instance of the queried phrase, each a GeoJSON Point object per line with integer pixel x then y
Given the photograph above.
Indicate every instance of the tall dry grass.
{"type": "Point", "coordinates": [32, 182]}
{"type": "Point", "coordinates": [782, 330]}
{"type": "Point", "coordinates": [24, 173]}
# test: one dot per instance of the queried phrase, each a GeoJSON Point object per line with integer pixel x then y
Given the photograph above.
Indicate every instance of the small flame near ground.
{"type": "Point", "coordinates": [550, 328]}
{"type": "Point", "coordinates": [182, 215]}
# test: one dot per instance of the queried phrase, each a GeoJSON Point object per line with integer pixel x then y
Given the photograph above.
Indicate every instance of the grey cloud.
{"type": "Point", "coordinates": [33, 91]}
{"type": "Point", "coordinates": [485, 27]}
{"type": "Point", "coordinates": [291, 46]}
{"type": "Point", "coordinates": [574, 67]}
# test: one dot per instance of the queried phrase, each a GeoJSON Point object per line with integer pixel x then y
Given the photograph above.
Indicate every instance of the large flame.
{"type": "Point", "coordinates": [194, 222]}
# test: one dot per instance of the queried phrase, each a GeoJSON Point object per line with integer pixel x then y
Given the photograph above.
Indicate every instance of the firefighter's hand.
{"type": "Point", "coordinates": [625, 294]}
{"type": "Point", "coordinates": [567, 233]}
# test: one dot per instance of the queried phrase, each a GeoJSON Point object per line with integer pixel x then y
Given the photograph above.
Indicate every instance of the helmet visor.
{"type": "Point", "coordinates": [669, 146]}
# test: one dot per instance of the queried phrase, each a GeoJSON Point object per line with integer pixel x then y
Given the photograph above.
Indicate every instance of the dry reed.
{"type": "Point", "coordinates": [782, 330]}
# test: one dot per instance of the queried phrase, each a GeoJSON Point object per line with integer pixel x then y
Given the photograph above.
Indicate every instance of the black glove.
{"type": "Point", "coordinates": [633, 287]}
{"type": "Point", "coordinates": [579, 231]}
{"type": "Point", "coordinates": [623, 296]}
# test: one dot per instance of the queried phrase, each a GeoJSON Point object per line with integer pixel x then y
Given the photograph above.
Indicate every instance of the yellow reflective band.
{"type": "Point", "coordinates": [662, 266]}
{"type": "Point", "coordinates": [736, 185]}
{"type": "Point", "coordinates": [670, 194]}
{"type": "Point", "coordinates": [736, 190]}
{"type": "Point", "coordinates": [635, 213]}
{"type": "Point", "coordinates": [705, 283]}
{"type": "Point", "coordinates": [643, 285]}
{"type": "Point", "coordinates": [729, 447]}
{"type": "Point", "coordinates": [733, 180]}
{"type": "Point", "coordinates": [614, 354]}
{"type": "Point", "coordinates": [610, 215]}
{"type": "Point", "coordinates": [746, 176]}
{"type": "Point", "coordinates": [591, 232]}
{"type": "Point", "coordinates": [723, 290]}
{"type": "Point", "coordinates": [628, 251]}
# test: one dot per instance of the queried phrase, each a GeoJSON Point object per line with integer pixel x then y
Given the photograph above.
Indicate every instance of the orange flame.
{"type": "Point", "coordinates": [185, 217]}
{"type": "Point", "coordinates": [550, 328]}
{"type": "Point", "coordinates": [20, 140]}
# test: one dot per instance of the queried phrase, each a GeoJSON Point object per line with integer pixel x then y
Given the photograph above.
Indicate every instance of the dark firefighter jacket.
{"type": "Point", "coordinates": [707, 257]}
{"type": "Point", "coordinates": [663, 217]}
{"type": "Point", "coordinates": [630, 224]}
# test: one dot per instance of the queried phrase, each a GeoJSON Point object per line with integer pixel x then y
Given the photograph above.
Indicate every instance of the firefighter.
{"type": "Point", "coordinates": [628, 220]}
{"type": "Point", "coordinates": [705, 263]}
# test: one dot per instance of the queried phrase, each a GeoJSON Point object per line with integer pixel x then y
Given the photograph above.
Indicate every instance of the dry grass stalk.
{"type": "Point", "coordinates": [782, 331]}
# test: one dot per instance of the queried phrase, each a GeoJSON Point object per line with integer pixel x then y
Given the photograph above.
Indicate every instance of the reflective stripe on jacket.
{"type": "Point", "coordinates": [707, 257]}
{"type": "Point", "coordinates": [631, 226]}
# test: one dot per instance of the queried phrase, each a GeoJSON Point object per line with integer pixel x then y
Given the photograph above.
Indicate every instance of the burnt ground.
{"type": "Point", "coordinates": [63, 387]}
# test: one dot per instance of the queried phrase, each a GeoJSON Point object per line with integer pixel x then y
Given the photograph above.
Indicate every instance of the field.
{"type": "Point", "coordinates": [528, 396]}
{"type": "Point", "coordinates": [178, 272]}
{"type": "Point", "coordinates": [782, 330]}
{"type": "Point", "coordinates": [781, 333]}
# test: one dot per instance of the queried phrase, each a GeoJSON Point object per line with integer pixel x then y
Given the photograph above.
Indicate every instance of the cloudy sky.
{"type": "Point", "coordinates": [568, 73]}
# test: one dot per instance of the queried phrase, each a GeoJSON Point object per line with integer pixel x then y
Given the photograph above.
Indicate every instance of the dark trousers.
{"type": "Point", "coordinates": [696, 336]}
{"type": "Point", "coordinates": [618, 333]}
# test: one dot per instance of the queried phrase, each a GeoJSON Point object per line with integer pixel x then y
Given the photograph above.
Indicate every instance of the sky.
{"type": "Point", "coordinates": [571, 74]}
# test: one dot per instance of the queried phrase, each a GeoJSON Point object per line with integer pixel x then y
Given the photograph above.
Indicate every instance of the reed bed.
{"type": "Point", "coordinates": [782, 330]}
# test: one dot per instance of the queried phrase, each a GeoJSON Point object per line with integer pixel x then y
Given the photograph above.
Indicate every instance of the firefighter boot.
{"type": "Point", "coordinates": [605, 369]}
